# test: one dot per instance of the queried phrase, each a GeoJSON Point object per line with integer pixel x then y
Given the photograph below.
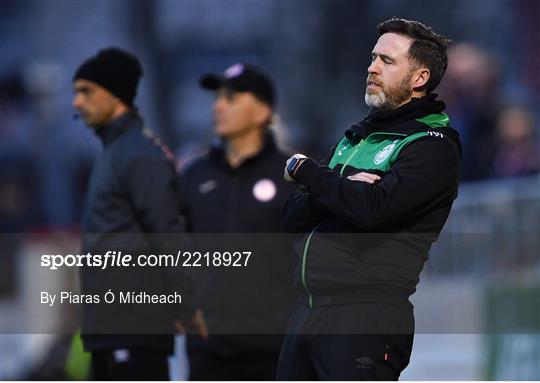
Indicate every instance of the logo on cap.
{"type": "Point", "coordinates": [234, 70]}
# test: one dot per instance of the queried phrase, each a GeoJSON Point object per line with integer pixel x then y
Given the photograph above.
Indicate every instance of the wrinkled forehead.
{"type": "Point", "coordinates": [393, 45]}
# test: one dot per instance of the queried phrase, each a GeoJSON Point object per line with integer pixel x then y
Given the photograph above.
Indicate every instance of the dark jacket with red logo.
{"type": "Point", "coordinates": [368, 242]}
{"type": "Point", "coordinates": [245, 203]}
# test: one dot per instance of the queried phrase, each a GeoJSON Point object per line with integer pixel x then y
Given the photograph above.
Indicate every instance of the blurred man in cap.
{"type": "Point", "coordinates": [370, 213]}
{"type": "Point", "coordinates": [237, 187]}
{"type": "Point", "coordinates": [132, 192]}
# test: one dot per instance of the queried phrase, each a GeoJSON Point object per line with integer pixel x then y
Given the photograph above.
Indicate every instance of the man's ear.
{"type": "Point", "coordinates": [118, 103]}
{"type": "Point", "coordinates": [420, 78]}
{"type": "Point", "coordinates": [264, 113]}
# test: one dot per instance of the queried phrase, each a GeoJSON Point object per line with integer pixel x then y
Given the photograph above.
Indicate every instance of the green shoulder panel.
{"type": "Point", "coordinates": [380, 155]}
{"type": "Point", "coordinates": [372, 153]}
{"type": "Point", "coordinates": [435, 120]}
{"type": "Point", "coordinates": [379, 150]}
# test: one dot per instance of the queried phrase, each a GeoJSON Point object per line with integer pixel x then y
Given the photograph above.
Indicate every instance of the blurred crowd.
{"type": "Point", "coordinates": [499, 135]}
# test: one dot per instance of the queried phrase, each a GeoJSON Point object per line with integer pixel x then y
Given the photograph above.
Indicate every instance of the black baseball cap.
{"type": "Point", "coordinates": [242, 78]}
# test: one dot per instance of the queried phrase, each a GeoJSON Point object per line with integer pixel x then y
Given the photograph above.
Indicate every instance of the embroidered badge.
{"type": "Point", "coordinates": [382, 155]}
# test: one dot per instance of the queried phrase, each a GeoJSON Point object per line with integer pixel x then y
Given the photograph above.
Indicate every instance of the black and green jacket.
{"type": "Point", "coordinates": [368, 242]}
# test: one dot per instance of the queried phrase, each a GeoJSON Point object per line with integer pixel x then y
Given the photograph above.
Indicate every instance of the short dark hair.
{"type": "Point", "coordinates": [428, 47]}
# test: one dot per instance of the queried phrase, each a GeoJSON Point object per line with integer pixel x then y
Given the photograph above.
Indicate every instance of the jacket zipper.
{"type": "Point", "coordinates": [306, 246]}
{"type": "Point", "coordinates": [304, 261]}
{"type": "Point", "coordinates": [356, 149]}
{"type": "Point", "coordinates": [304, 254]}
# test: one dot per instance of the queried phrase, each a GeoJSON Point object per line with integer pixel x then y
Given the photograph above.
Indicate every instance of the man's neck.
{"type": "Point", "coordinates": [242, 147]}
{"type": "Point", "coordinates": [413, 95]}
{"type": "Point", "coordinates": [120, 110]}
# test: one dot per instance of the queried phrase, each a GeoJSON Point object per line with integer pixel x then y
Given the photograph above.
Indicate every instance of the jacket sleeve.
{"type": "Point", "coordinates": [425, 172]}
{"type": "Point", "coordinates": [153, 190]}
{"type": "Point", "coordinates": [152, 185]}
{"type": "Point", "coordinates": [300, 212]}
{"type": "Point", "coordinates": [185, 186]}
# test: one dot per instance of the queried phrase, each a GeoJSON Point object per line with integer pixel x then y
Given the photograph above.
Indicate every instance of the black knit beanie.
{"type": "Point", "coordinates": [114, 69]}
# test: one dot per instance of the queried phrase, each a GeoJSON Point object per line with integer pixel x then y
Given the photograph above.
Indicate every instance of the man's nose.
{"type": "Point", "coordinates": [77, 102]}
{"type": "Point", "coordinates": [373, 67]}
{"type": "Point", "coordinates": [219, 104]}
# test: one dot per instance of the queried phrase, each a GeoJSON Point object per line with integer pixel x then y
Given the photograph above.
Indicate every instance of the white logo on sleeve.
{"type": "Point", "coordinates": [264, 190]}
{"type": "Point", "coordinates": [121, 355]}
{"type": "Point", "coordinates": [435, 134]}
{"type": "Point", "coordinates": [208, 186]}
{"type": "Point", "coordinates": [382, 155]}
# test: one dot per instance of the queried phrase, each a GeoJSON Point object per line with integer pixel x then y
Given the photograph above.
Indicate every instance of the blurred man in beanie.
{"type": "Point", "coordinates": [132, 192]}
{"type": "Point", "coordinates": [237, 188]}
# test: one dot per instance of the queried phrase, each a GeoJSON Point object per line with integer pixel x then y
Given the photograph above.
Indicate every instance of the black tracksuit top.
{"type": "Point", "coordinates": [217, 198]}
{"type": "Point", "coordinates": [368, 242]}
{"type": "Point", "coordinates": [244, 202]}
{"type": "Point", "coordinates": [132, 192]}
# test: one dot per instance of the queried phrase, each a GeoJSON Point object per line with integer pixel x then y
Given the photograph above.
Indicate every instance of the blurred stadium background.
{"type": "Point", "coordinates": [478, 305]}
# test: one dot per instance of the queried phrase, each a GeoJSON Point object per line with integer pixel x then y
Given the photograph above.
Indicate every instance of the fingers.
{"type": "Point", "coordinates": [200, 323]}
{"type": "Point", "coordinates": [364, 177]}
{"type": "Point", "coordinates": [197, 324]}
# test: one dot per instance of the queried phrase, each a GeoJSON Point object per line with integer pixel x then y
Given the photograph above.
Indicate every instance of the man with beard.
{"type": "Point", "coordinates": [370, 213]}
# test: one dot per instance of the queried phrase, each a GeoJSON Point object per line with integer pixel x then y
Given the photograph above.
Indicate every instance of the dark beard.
{"type": "Point", "coordinates": [396, 96]}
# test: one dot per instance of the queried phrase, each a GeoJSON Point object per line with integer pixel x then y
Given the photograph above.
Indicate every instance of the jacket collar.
{"type": "Point", "coordinates": [386, 121]}
{"type": "Point", "coordinates": [219, 145]}
{"type": "Point", "coordinates": [108, 132]}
